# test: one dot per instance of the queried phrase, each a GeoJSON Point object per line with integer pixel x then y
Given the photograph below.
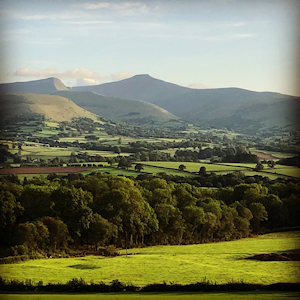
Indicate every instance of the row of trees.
{"type": "Point", "coordinates": [104, 209]}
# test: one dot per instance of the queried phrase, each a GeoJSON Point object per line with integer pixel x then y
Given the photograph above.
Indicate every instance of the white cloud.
{"type": "Point", "coordinates": [83, 76]}
{"type": "Point", "coordinates": [126, 8]}
{"type": "Point", "coordinates": [86, 81]}
{"type": "Point", "coordinates": [74, 74]}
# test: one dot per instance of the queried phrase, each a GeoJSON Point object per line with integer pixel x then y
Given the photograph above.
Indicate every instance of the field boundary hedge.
{"type": "Point", "coordinates": [80, 286]}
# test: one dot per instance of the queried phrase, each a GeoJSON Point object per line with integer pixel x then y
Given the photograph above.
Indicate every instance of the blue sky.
{"type": "Point", "coordinates": [200, 44]}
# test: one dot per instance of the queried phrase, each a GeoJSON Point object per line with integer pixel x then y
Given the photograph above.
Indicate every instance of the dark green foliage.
{"type": "Point", "coordinates": [113, 211]}
{"type": "Point", "coordinates": [79, 285]}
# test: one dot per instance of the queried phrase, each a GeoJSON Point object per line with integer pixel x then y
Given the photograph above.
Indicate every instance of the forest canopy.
{"type": "Point", "coordinates": [102, 209]}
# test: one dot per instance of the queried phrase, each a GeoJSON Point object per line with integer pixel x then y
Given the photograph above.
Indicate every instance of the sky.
{"type": "Point", "coordinates": [248, 44]}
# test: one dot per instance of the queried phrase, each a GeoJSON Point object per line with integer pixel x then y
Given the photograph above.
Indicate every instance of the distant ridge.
{"type": "Point", "coordinates": [234, 108]}
{"type": "Point", "coordinates": [118, 109]}
{"type": "Point", "coordinates": [53, 107]}
{"type": "Point", "coordinates": [42, 86]}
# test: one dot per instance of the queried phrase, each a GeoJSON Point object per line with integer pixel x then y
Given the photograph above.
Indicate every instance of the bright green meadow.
{"type": "Point", "coordinates": [217, 262]}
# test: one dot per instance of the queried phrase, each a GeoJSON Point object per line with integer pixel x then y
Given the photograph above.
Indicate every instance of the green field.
{"type": "Point", "coordinates": [156, 296]}
{"type": "Point", "coordinates": [285, 170]}
{"type": "Point", "coordinates": [194, 167]}
{"type": "Point", "coordinates": [217, 262]}
{"type": "Point", "coordinates": [224, 168]}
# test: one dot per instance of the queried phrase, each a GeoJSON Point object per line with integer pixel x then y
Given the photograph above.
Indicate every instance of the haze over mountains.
{"type": "Point", "coordinates": [142, 98]}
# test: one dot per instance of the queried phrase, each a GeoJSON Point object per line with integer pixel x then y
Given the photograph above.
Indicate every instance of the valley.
{"type": "Point", "coordinates": [146, 188]}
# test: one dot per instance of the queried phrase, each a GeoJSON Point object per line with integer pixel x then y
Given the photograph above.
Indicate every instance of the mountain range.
{"type": "Point", "coordinates": [143, 98]}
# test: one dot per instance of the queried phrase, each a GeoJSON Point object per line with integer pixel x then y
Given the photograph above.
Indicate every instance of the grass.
{"type": "Point", "coordinates": [194, 167]}
{"type": "Point", "coordinates": [223, 168]}
{"type": "Point", "coordinates": [154, 170]}
{"type": "Point", "coordinates": [111, 170]}
{"type": "Point", "coordinates": [156, 296]}
{"type": "Point", "coordinates": [284, 170]}
{"type": "Point", "coordinates": [218, 262]}
{"type": "Point", "coordinates": [51, 124]}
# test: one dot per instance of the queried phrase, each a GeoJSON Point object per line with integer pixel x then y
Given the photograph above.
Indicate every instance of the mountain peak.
{"type": "Point", "coordinates": [142, 75]}
{"type": "Point", "coordinates": [40, 86]}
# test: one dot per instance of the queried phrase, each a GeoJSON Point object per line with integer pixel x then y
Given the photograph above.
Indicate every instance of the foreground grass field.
{"type": "Point", "coordinates": [217, 262]}
{"type": "Point", "coordinates": [156, 296]}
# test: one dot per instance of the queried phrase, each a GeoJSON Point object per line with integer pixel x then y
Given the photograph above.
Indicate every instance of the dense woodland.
{"type": "Point", "coordinates": [101, 210]}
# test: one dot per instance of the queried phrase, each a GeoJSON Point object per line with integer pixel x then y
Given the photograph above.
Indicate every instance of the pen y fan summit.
{"type": "Point", "coordinates": [233, 108]}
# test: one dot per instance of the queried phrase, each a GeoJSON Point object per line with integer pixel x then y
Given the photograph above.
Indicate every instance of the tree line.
{"type": "Point", "coordinates": [103, 209]}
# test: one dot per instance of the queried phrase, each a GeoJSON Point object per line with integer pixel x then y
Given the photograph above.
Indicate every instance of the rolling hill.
{"type": "Point", "coordinates": [118, 109]}
{"type": "Point", "coordinates": [42, 86]}
{"type": "Point", "coordinates": [54, 107]}
{"type": "Point", "coordinates": [229, 107]}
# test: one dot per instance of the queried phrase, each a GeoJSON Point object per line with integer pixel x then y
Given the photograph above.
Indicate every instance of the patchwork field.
{"type": "Point", "coordinates": [217, 262]}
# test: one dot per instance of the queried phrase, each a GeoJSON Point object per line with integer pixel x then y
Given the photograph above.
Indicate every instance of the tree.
{"type": "Point", "coordinates": [32, 234]}
{"type": "Point", "coordinates": [10, 209]}
{"type": "Point", "coordinates": [259, 167]}
{"type": "Point", "coordinates": [202, 171]}
{"type": "Point", "coordinates": [138, 167]}
{"type": "Point", "coordinates": [271, 164]}
{"type": "Point", "coordinates": [100, 231]}
{"type": "Point", "coordinates": [110, 160]}
{"type": "Point", "coordinates": [259, 214]}
{"type": "Point", "coordinates": [36, 201]}
{"type": "Point", "coordinates": [181, 167]}
{"type": "Point", "coordinates": [124, 163]}
{"type": "Point", "coordinates": [58, 232]}
{"type": "Point", "coordinates": [117, 149]}
{"type": "Point", "coordinates": [71, 205]}
{"type": "Point", "coordinates": [121, 203]}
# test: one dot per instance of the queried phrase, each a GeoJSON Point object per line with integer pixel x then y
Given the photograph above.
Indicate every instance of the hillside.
{"type": "Point", "coordinates": [54, 107]}
{"type": "Point", "coordinates": [230, 107]}
{"type": "Point", "coordinates": [43, 86]}
{"type": "Point", "coordinates": [119, 109]}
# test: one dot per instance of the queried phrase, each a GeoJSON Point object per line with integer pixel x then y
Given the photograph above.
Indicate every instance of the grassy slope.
{"type": "Point", "coordinates": [54, 107]}
{"type": "Point", "coordinates": [218, 262]}
{"type": "Point", "coordinates": [121, 109]}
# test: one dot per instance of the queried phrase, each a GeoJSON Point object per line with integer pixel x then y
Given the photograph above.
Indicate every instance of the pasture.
{"type": "Point", "coordinates": [217, 262]}
{"type": "Point", "coordinates": [194, 167]}
{"type": "Point", "coordinates": [225, 168]}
